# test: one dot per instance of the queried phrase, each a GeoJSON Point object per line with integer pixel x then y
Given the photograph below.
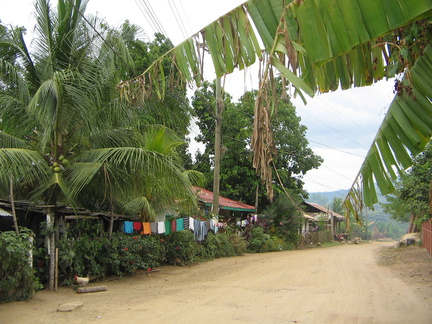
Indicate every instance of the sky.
{"type": "Point", "coordinates": [341, 125]}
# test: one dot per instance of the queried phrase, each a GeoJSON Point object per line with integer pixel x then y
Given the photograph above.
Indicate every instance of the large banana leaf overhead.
{"type": "Point", "coordinates": [316, 45]}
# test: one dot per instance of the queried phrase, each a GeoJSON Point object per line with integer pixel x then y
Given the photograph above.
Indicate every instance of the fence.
{"type": "Point", "coordinates": [315, 237]}
{"type": "Point", "coordinates": [427, 236]}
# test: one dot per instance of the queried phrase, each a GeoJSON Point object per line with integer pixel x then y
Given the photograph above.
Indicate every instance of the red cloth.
{"type": "Point", "coordinates": [173, 226]}
{"type": "Point", "coordinates": [137, 226]}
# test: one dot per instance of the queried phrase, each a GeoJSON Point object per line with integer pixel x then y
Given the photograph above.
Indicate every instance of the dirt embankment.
{"type": "Point", "coordinates": [344, 284]}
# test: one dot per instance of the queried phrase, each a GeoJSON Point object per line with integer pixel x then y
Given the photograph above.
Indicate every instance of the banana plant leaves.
{"type": "Point", "coordinates": [404, 132]}
{"type": "Point", "coordinates": [318, 46]}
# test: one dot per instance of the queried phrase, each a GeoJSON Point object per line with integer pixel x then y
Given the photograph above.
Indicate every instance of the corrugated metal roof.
{"type": "Point", "coordinates": [4, 213]}
{"type": "Point", "coordinates": [325, 210]}
{"type": "Point", "coordinates": [206, 196]}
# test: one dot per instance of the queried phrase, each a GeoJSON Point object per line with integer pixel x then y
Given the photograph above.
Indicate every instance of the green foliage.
{"type": "Point", "coordinates": [238, 178]}
{"type": "Point", "coordinates": [223, 245]}
{"type": "Point", "coordinates": [17, 280]}
{"type": "Point", "coordinates": [411, 199]}
{"type": "Point", "coordinates": [139, 252]}
{"type": "Point", "coordinates": [99, 256]}
{"type": "Point", "coordinates": [79, 143]}
{"type": "Point", "coordinates": [285, 217]}
{"type": "Point", "coordinates": [181, 246]}
{"type": "Point", "coordinates": [260, 241]}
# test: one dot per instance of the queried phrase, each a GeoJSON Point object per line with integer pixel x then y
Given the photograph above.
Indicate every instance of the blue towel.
{"type": "Point", "coordinates": [128, 227]}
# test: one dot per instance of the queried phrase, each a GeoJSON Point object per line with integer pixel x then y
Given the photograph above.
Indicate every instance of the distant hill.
{"type": "Point", "coordinates": [325, 199]}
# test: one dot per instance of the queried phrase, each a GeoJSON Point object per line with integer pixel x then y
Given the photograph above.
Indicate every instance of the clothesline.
{"type": "Point", "coordinates": [199, 227]}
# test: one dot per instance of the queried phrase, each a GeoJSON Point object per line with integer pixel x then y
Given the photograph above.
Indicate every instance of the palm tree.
{"type": "Point", "coordinates": [66, 137]}
{"type": "Point", "coordinates": [320, 46]}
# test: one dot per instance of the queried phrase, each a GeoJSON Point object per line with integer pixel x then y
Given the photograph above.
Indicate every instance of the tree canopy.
{"type": "Point", "coordinates": [238, 179]}
{"type": "Point", "coordinates": [66, 136]}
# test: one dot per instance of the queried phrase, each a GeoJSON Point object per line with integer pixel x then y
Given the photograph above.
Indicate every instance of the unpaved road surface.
{"type": "Point", "coordinates": [342, 284]}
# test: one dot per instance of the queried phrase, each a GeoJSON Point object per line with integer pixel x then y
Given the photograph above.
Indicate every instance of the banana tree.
{"type": "Point", "coordinates": [317, 46]}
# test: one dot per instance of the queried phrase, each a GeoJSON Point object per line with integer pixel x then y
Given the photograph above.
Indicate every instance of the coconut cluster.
{"type": "Point", "coordinates": [60, 165]}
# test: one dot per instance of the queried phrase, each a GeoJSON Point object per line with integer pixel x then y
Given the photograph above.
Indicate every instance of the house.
{"type": "Point", "coordinates": [314, 213]}
{"type": "Point", "coordinates": [227, 207]}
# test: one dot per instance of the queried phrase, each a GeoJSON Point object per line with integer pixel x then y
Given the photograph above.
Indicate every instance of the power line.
{"type": "Point", "coordinates": [351, 139]}
{"type": "Point", "coordinates": [333, 110]}
{"type": "Point", "coordinates": [152, 17]}
{"type": "Point", "coordinates": [334, 148]}
{"type": "Point", "coordinates": [178, 18]}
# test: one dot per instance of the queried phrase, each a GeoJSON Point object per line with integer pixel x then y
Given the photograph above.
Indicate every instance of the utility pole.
{"type": "Point", "coordinates": [217, 157]}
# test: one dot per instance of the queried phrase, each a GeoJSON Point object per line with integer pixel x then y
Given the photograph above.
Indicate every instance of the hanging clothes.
{"type": "Point", "coordinates": [200, 230]}
{"type": "Point", "coordinates": [192, 223]}
{"type": "Point", "coordinates": [160, 227]}
{"type": "Point", "coordinates": [154, 228]}
{"type": "Point", "coordinates": [146, 228]}
{"type": "Point", "coordinates": [137, 226]}
{"type": "Point", "coordinates": [167, 227]}
{"type": "Point", "coordinates": [215, 223]}
{"type": "Point", "coordinates": [180, 224]}
{"type": "Point", "coordinates": [128, 227]}
{"type": "Point", "coordinates": [186, 222]}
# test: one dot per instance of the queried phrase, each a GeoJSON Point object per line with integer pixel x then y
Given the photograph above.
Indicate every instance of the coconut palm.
{"type": "Point", "coordinates": [318, 46]}
{"type": "Point", "coordinates": [59, 110]}
{"type": "Point", "coordinates": [65, 136]}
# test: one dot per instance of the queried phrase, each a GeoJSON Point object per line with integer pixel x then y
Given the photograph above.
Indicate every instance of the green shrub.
{"type": "Point", "coordinates": [223, 245]}
{"type": "Point", "coordinates": [260, 241]}
{"type": "Point", "coordinates": [139, 252]}
{"type": "Point", "coordinates": [17, 280]}
{"type": "Point", "coordinates": [101, 257]}
{"type": "Point", "coordinates": [182, 246]}
{"type": "Point", "coordinates": [83, 256]}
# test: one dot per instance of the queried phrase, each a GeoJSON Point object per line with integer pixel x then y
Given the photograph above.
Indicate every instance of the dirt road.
{"type": "Point", "coordinates": [342, 284]}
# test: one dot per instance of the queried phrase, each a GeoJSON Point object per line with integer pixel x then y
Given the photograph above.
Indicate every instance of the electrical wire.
{"type": "Point", "coordinates": [178, 18]}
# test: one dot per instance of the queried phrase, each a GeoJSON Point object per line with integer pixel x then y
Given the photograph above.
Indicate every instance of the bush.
{"type": "Point", "coordinates": [100, 257]}
{"type": "Point", "coordinates": [182, 246]}
{"type": "Point", "coordinates": [87, 255]}
{"type": "Point", "coordinates": [223, 245]}
{"type": "Point", "coordinates": [260, 241]}
{"type": "Point", "coordinates": [139, 252]}
{"type": "Point", "coordinates": [17, 280]}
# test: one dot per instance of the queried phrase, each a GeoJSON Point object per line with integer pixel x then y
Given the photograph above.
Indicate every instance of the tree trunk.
{"type": "Point", "coordinates": [412, 228]}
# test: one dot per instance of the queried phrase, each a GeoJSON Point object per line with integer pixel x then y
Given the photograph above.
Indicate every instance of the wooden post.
{"type": "Point", "coordinates": [217, 157]}
{"type": "Point", "coordinates": [51, 247]}
{"type": "Point", "coordinates": [111, 224]}
{"type": "Point", "coordinates": [56, 269]}
{"type": "Point", "coordinates": [11, 196]}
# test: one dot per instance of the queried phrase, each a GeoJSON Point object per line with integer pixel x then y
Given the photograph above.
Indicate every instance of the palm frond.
{"type": "Point", "coordinates": [9, 141]}
{"type": "Point", "coordinates": [26, 166]}
{"type": "Point", "coordinates": [141, 205]}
